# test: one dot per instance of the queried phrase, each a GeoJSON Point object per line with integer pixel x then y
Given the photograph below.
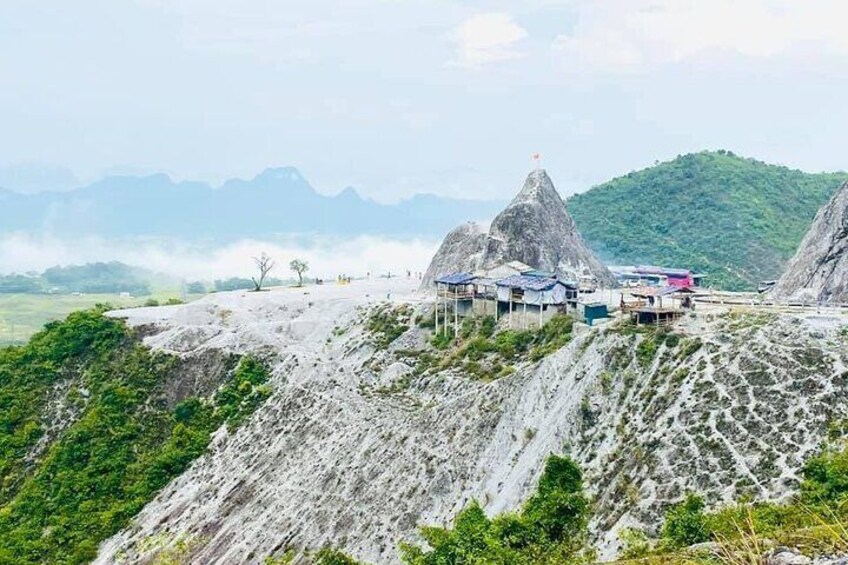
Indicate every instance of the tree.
{"type": "Point", "coordinates": [299, 266]}
{"type": "Point", "coordinates": [196, 287]}
{"type": "Point", "coordinates": [264, 263]}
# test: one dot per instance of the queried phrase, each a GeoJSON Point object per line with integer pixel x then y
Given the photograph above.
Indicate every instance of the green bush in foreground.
{"type": "Point", "coordinates": [550, 528]}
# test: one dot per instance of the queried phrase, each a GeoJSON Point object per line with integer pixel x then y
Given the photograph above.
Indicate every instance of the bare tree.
{"type": "Point", "coordinates": [264, 263]}
{"type": "Point", "coordinates": [299, 266]}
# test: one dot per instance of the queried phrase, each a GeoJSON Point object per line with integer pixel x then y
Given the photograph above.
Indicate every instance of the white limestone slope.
{"type": "Point", "coordinates": [338, 455]}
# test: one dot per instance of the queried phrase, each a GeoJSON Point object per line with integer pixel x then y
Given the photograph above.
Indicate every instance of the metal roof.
{"type": "Point", "coordinates": [677, 290]}
{"type": "Point", "coordinates": [456, 278]}
{"type": "Point", "coordinates": [525, 282]}
{"type": "Point", "coordinates": [660, 291]}
{"type": "Point", "coordinates": [654, 270]}
{"type": "Point", "coordinates": [538, 273]}
{"type": "Point", "coordinates": [519, 266]}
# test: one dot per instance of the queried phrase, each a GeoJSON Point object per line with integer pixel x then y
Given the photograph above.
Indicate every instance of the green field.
{"type": "Point", "coordinates": [21, 315]}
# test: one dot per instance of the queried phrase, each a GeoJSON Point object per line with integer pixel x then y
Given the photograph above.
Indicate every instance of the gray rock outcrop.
{"type": "Point", "coordinates": [461, 250]}
{"type": "Point", "coordinates": [819, 270]}
{"type": "Point", "coordinates": [534, 229]}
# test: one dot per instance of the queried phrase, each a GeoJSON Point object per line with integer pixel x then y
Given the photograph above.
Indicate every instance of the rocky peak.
{"type": "Point", "coordinates": [819, 270]}
{"type": "Point", "coordinates": [535, 229]}
{"type": "Point", "coordinates": [538, 189]}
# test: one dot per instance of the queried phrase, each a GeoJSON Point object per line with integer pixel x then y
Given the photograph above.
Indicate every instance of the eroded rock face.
{"type": "Point", "coordinates": [819, 270]}
{"type": "Point", "coordinates": [348, 451]}
{"type": "Point", "coordinates": [461, 250]}
{"type": "Point", "coordinates": [534, 229]}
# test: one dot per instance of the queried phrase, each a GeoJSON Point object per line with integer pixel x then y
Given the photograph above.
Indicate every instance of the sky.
{"type": "Point", "coordinates": [396, 97]}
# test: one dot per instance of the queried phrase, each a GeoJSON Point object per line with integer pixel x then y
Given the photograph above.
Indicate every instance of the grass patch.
{"type": "Point", "coordinates": [387, 322]}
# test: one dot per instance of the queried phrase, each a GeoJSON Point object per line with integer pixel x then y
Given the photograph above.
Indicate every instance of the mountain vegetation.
{"type": "Point", "coordinates": [733, 219]}
{"type": "Point", "coordinates": [90, 431]}
{"type": "Point", "coordinates": [549, 528]}
{"type": "Point", "coordinates": [91, 278]}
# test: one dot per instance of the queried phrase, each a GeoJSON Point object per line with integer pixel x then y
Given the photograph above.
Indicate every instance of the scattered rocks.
{"type": "Point", "coordinates": [786, 556]}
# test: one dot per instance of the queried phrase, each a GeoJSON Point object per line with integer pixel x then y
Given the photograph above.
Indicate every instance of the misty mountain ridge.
{"type": "Point", "coordinates": [29, 178]}
{"type": "Point", "coordinates": [276, 201]}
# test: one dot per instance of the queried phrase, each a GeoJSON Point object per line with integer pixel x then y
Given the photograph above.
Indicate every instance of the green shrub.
{"type": "Point", "coordinates": [686, 522]}
{"type": "Point", "coordinates": [826, 477]}
{"type": "Point", "coordinates": [487, 327]}
{"type": "Point", "coordinates": [646, 350]}
{"type": "Point", "coordinates": [243, 393]}
{"type": "Point", "coordinates": [634, 544]}
{"type": "Point", "coordinates": [550, 528]}
{"type": "Point", "coordinates": [468, 327]}
{"type": "Point", "coordinates": [443, 340]}
{"type": "Point", "coordinates": [387, 323]}
{"type": "Point", "coordinates": [329, 556]}
{"type": "Point", "coordinates": [120, 450]}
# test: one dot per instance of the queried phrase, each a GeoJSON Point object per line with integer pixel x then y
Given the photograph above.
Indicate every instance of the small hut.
{"type": "Point", "coordinates": [649, 308]}
{"type": "Point", "coordinates": [588, 312]}
{"type": "Point", "coordinates": [538, 296]}
{"type": "Point", "coordinates": [457, 289]}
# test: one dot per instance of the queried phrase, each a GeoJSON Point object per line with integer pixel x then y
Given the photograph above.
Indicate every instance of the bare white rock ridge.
{"type": "Point", "coordinates": [354, 450]}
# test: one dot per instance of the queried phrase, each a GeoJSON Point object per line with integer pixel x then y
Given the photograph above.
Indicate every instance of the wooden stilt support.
{"type": "Point", "coordinates": [436, 309]}
{"type": "Point", "coordinates": [455, 316]}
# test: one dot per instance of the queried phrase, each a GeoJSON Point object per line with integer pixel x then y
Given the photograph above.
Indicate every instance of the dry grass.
{"type": "Point", "coordinates": [828, 535]}
{"type": "Point", "coordinates": [746, 548]}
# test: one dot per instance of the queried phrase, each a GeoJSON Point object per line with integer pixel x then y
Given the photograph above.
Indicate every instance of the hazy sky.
{"type": "Point", "coordinates": [400, 96]}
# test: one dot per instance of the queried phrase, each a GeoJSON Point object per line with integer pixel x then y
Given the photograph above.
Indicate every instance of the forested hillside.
{"type": "Point", "coordinates": [93, 424]}
{"type": "Point", "coordinates": [737, 220]}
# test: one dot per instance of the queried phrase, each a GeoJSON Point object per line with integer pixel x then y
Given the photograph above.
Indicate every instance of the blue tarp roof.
{"type": "Point", "coordinates": [525, 282]}
{"type": "Point", "coordinates": [456, 278]}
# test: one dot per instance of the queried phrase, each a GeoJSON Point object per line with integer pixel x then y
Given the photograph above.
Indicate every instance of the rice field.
{"type": "Point", "coordinates": [21, 315]}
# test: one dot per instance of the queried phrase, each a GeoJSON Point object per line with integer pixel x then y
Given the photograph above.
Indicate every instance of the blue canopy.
{"type": "Point", "coordinates": [456, 278]}
{"type": "Point", "coordinates": [525, 282]}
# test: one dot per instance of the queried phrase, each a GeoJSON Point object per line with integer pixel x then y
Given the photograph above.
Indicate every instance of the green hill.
{"type": "Point", "coordinates": [736, 220]}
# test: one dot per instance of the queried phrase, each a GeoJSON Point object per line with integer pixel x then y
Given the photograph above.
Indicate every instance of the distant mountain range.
{"type": "Point", "coordinates": [734, 219]}
{"type": "Point", "coordinates": [277, 201]}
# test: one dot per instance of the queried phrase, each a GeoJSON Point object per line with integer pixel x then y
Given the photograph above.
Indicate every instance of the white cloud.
{"type": "Point", "coordinates": [635, 35]}
{"type": "Point", "coordinates": [327, 257]}
{"type": "Point", "coordinates": [488, 38]}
